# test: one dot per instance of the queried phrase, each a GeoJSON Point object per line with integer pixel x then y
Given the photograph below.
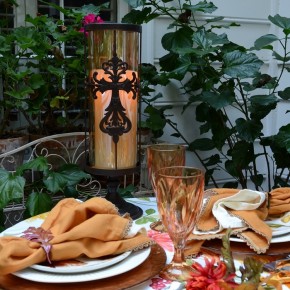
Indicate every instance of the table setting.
{"type": "Point", "coordinates": [187, 238]}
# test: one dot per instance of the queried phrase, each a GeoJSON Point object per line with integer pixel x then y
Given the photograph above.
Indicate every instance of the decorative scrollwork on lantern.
{"type": "Point", "coordinates": [115, 122]}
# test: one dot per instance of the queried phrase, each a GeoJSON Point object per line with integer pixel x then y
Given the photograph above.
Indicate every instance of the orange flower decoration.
{"type": "Point", "coordinates": [213, 276]}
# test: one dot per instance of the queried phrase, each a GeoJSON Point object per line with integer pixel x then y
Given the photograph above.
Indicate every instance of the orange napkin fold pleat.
{"type": "Point", "coordinates": [279, 201]}
{"type": "Point", "coordinates": [257, 234]}
{"type": "Point", "coordinates": [92, 228]}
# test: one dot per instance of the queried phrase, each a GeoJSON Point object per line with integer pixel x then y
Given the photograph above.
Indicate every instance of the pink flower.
{"type": "Point", "coordinates": [213, 276]}
{"type": "Point", "coordinates": [162, 239]}
{"type": "Point", "coordinates": [91, 18]}
{"type": "Point", "coordinates": [159, 283]}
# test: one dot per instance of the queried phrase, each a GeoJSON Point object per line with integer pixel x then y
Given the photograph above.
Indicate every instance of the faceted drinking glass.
{"type": "Point", "coordinates": [179, 194]}
{"type": "Point", "coordinates": [163, 155]}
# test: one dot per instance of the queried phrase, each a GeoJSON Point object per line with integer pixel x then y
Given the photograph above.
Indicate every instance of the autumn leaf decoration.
{"type": "Point", "coordinates": [39, 235]}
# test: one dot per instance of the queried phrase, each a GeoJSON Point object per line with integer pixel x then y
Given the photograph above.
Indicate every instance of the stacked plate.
{"type": "Point", "coordinates": [77, 270]}
{"type": "Point", "coordinates": [280, 231]}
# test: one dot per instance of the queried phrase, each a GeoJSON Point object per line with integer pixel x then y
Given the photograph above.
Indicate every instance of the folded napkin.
{"type": "Point", "coordinates": [279, 201]}
{"type": "Point", "coordinates": [244, 211]}
{"type": "Point", "coordinates": [92, 228]}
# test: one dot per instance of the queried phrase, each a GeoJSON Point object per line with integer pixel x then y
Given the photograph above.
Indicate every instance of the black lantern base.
{"type": "Point", "coordinates": [113, 195]}
{"type": "Point", "coordinates": [123, 206]}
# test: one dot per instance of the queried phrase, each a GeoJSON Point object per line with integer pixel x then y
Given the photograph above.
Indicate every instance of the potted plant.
{"type": "Point", "coordinates": [218, 76]}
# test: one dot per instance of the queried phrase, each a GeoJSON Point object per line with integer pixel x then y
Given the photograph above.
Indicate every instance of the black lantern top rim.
{"type": "Point", "coordinates": [113, 26]}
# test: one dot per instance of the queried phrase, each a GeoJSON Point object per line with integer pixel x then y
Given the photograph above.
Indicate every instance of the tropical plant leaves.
{"type": "Point", "coordinates": [238, 64]}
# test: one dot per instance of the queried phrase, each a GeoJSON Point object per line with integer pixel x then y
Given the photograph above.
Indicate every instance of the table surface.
{"type": "Point", "coordinates": [150, 214]}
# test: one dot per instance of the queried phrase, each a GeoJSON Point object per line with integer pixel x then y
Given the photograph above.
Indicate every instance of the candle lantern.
{"type": "Point", "coordinates": [113, 56]}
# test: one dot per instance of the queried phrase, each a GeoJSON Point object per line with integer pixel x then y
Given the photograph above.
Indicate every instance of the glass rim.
{"type": "Point", "coordinates": [175, 147]}
{"type": "Point", "coordinates": [199, 171]}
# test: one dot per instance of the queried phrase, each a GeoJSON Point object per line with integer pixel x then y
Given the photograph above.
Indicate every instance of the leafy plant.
{"type": "Point", "coordinates": [226, 82]}
{"type": "Point", "coordinates": [39, 81]}
{"type": "Point", "coordinates": [39, 193]}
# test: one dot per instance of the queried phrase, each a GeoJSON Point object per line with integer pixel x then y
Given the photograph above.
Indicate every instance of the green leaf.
{"type": "Point", "coordinates": [280, 57]}
{"type": "Point", "coordinates": [202, 144]}
{"type": "Point", "coordinates": [242, 154]}
{"type": "Point", "coordinates": [212, 160]}
{"type": "Point", "coordinates": [67, 175]}
{"type": "Point", "coordinates": [36, 81]}
{"type": "Point", "coordinates": [227, 253]}
{"type": "Point", "coordinates": [11, 187]}
{"type": "Point", "coordinates": [150, 211]}
{"type": "Point", "coordinates": [38, 164]}
{"type": "Point", "coordinates": [265, 40]}
{"type": "Point", "coordinates": [38, 202]}
{"type": "Point", "coordinates": [202, 6]}
{"type": "Point", "coordinates": [180, 39]}
{"type": "Point", "coordinates": [71, 191]}
{"type": "Point", "coordinates": [280, 21]}
{"type": "Point", "coordinates": [251, 270]}
{"type": "Point", "coordinates": [238, 64]}
{"type": "Point", "coordinates": [249, 130]}
{"type": "Point", "coordinates": [257, 179]}
{"type": "Point", "coordinates": [207, 40]}
{"type": "Point", "coordinates": [285, 94]}
{"type": "Point", "coordinates": [139, 16]}
{"type": "Point", "coordinates": [218, 100]}
{"type": "Point", "coordinates": [169, 61]}
{"type": "Point", "coordinates": [264, 100]}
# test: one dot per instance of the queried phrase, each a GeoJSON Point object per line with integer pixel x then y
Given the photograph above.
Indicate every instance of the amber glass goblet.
{"type": "Point", "coordinates": [163, 155]}
{"type": "Point", "coordinates": [179, 194]}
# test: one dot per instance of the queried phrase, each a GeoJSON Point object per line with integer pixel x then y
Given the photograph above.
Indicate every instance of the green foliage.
{"type": "Point", "coordinates": [251, 270]}
{"type": "Point", "coordinates": [34, 68]}
{"type": "Point", "coordinates": [227, 254]}
{"type": "Point", "coordinates": [39, 193]}
{"type": "Point", "coordinates": [226, 83]}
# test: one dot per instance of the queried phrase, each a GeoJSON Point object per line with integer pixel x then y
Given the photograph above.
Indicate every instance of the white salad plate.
{"type": "Point", "coordinates": [132, 261]}
{"type": "Point", "coordinates": [80, 265]}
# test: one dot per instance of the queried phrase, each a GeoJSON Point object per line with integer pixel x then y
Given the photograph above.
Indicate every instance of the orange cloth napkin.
{"type": "Point", "coordinates": [92, 228]}
{"type": "Point", "coordinates": [279, 201]}
{"type": "Point", "coordinates": [255, 232]}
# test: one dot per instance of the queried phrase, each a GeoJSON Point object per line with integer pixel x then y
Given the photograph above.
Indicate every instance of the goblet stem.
{"type": "Point", "coordinates": [178, 269]}
{"type": "Point", "coordinates": [178, 255]}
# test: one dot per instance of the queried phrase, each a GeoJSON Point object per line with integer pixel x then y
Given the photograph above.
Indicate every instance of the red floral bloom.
{"type": "Point", "coordinates": [91, 18]}
{"type": "Point", "coordinates": [210, 277]}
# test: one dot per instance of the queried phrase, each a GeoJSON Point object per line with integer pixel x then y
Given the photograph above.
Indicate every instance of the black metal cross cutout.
{"type": "Point", "coordinates": [115, 122]}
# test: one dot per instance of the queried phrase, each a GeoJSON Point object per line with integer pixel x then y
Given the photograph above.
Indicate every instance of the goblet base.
{"type": "Point", "coordinates": [176, 271]}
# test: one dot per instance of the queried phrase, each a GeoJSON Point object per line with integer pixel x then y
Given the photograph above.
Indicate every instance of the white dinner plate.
{"type": "Point", "coordinates": [275, 240]}
{"type": "Point", "coordinates": [81, 264]}
{"type": "Point", "coordinates": [131, 262]}
{"type": "Point", "coordinates": [283, 230]}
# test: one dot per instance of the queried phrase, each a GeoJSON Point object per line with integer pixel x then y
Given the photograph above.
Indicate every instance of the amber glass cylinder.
{"type": "Point", "coordinates": [113, 56]}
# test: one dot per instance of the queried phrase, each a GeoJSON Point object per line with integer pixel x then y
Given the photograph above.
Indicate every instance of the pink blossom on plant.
{"type": "Point", "coordinates": [162, 239]}
{"type": "Point", "coordinates": [91, 18]}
